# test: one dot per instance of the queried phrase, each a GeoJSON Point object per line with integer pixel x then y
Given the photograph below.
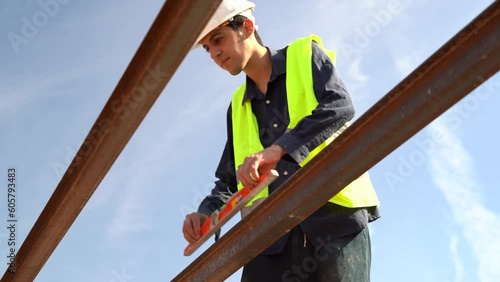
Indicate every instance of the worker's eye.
{"type": "Point", "coordinates": [218, 39]}
{"type": "Point", "coordinates": [206, 48]}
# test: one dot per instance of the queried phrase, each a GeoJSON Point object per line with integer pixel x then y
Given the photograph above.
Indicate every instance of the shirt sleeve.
{"type": "Point", "coordinates": [335, 108]}
{"type": "Point", "coordinates": [225, 174]}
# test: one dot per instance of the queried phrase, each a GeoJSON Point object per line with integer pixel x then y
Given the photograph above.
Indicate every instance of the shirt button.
{"type": "Point", "coordinates": [268, 102]}
{"type": "Point", "coordinates": [275, 125]}
{"type": "Point", "coordinates": [285, 172]}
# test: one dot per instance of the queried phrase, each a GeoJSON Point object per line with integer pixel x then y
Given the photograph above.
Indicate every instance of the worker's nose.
{"type": "Point", "coordinates": [215, 52]}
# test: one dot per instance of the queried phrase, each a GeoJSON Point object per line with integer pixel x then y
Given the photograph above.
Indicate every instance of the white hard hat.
{"type": "Point", "coordinates": [227, 10]}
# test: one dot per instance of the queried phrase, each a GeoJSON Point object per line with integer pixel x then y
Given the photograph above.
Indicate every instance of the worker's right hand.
{"type": "Point", "coordinates": [259, 164]}
{"type": "Point", "coordinates": [192, 226]}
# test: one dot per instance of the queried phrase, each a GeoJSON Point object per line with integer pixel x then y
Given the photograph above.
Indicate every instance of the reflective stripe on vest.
{"type": "Point", "coordinates": [301, 102]}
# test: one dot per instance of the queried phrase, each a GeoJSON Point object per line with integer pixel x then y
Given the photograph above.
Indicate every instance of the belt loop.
{"type": "Point", "coordinates": [305, 240]}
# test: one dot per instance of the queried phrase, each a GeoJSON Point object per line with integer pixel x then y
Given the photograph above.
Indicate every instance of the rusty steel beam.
{"type": "Point", "coordinates": [452, 72]}
{"type": "Point", "coordinates": [166, 44]}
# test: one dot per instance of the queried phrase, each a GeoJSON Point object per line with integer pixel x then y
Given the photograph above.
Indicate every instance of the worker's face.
{"type": "Point", "coordinates": [227, 47]}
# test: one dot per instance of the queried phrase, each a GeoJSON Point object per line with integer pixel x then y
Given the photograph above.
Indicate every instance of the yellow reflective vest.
{"type": "Point", "coordinates": [301, 102]}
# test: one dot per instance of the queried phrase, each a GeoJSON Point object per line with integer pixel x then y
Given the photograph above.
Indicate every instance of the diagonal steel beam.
{"type": "Point", "coordinates": [166, 44]}
{"type": "Point", "coordinates": [453, 71]}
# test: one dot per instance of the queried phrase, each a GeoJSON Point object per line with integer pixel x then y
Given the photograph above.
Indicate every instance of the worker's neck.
{"type": "Point", "coordinates": [259, 67]}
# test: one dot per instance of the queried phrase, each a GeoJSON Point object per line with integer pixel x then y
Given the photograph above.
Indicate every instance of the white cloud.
{"type": "Point", "coordinates": [457, 261]}
{"type": "Point", "coordinates": [356, 81]}
{"type": "Point", "coordinates": [22, 90]}
{"type": "Point", "coordinates": [131, 216]}
{"type": "Point", "coordinates": [105, 192]}
{"type": "Point", "coordinates": [452, 171]}
{"type": "Point", "coordinates": [189, 124]}
{"type": "Point", "coordinates": [355, 74]}
{"type": "Point", "coordinates": [404, 64]}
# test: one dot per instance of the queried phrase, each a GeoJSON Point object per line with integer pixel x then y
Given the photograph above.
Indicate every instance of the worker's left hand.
{"type": "Point", "coordinates": [259, 164]}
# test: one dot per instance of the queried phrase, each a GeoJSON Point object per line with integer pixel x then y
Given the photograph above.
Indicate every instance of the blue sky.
{"type": "Point", "coordinates": [440, 218]}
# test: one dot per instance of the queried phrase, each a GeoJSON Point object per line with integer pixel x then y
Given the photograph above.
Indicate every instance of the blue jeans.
{"type": "Point", "coordinates": [345, 259]}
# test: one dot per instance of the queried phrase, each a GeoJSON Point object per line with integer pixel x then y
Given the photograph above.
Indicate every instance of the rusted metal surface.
{"type": "Point", "coordinates": [452, 72]}
{"type": "Point", "coordinates": [166, 44]}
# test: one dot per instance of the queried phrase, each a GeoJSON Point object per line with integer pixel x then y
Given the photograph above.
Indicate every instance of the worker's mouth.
{"type": "Point", "coordinates": [224, 63]}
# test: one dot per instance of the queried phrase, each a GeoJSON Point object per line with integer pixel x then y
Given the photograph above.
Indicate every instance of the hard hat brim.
{"type": "Point", "coordinates": [224, 13]}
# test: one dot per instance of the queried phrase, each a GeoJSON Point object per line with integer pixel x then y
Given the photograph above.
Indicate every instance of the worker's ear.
{"type": "Point", "coordinates": [248, 28]}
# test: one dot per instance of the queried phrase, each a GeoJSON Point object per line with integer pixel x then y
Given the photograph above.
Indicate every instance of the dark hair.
{"type": "Point", "coordinates": [237, 22]}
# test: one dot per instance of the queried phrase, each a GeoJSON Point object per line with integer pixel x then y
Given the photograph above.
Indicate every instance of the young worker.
{"type": "Point", "coordinates": [290, 106]}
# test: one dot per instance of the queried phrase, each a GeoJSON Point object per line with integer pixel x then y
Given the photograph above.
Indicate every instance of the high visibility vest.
{"type": "Point", "coordinates": [301, 102]}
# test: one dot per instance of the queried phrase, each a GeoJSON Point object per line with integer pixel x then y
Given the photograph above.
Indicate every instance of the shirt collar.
{"type": "Point", "coordinates": [278, 62]}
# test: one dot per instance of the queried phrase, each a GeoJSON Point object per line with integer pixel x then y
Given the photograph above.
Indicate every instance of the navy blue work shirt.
{"type": "Point", "coordinates": [271, 110]}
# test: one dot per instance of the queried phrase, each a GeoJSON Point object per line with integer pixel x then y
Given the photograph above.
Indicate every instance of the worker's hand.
{"type": "Point", "coordinates": [192, 226]}
{"type": "Point", "coordinates": [259, 164]}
